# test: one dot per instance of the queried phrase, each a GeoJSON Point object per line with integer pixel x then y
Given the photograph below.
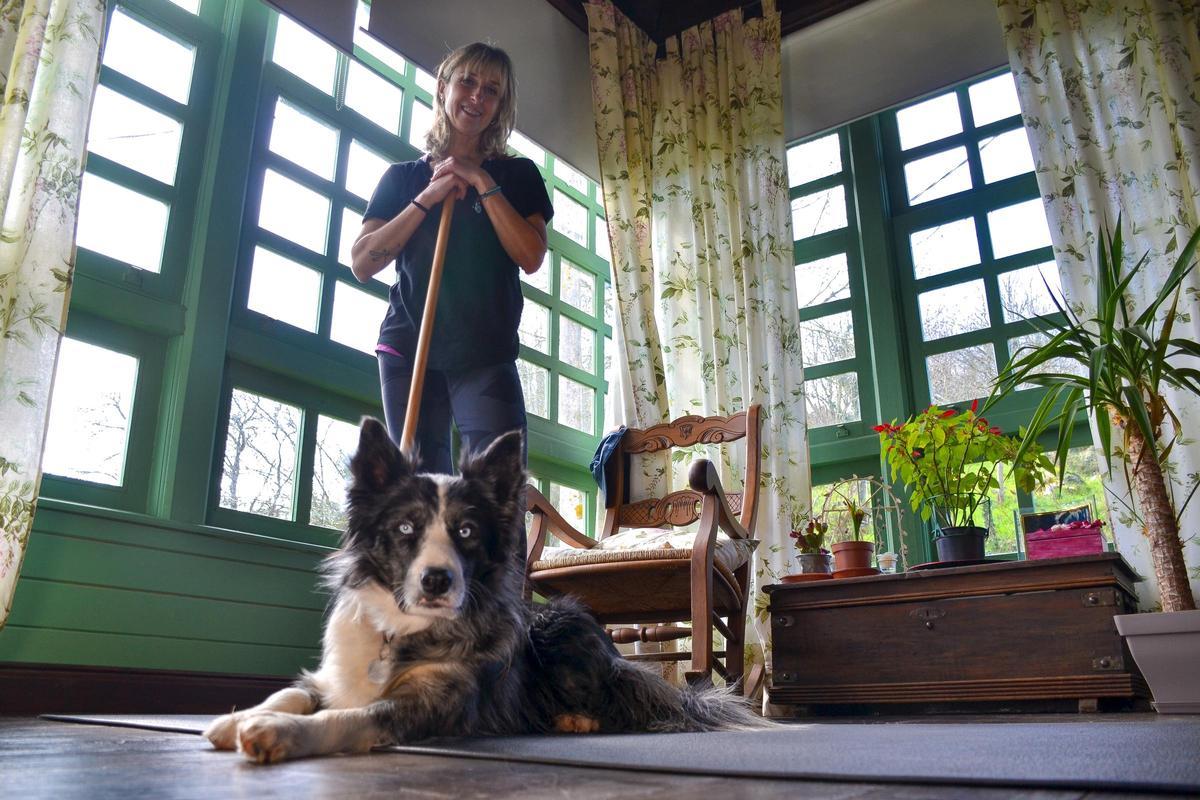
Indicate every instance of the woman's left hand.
{"type": "Point", "coordinates": [477, 177]}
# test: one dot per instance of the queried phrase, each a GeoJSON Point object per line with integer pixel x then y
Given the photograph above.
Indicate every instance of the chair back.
{"type": "Point", "coordinates": [682, 507]}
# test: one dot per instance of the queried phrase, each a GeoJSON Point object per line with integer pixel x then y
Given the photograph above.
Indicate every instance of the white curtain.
{"type": "Point", "coordinates": [695, 191]}
{"type": "Point", "coordinates": [49, 51]}
{"type": "Point", "coordinates": [1111, 98]}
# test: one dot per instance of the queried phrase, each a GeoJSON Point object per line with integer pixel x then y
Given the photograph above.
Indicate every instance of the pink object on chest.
{"type": "Point", "coordinates": [1063, 542]}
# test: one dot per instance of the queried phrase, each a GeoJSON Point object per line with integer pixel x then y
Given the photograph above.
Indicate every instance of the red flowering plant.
{"type": "Point", "coordinates": [948, 459]}
{"type": "Point", "coordinates": [811, 538]}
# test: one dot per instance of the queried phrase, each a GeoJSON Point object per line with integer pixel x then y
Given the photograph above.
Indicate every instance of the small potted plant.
{"type": "Point", "coordinates": [1125, 362]}
{"type": "Point", "coordinates": [948, 460]}
{"type": "Point", "coordinates": [810, 545]}
{"type": "Point", "coordinates": [853, 553]}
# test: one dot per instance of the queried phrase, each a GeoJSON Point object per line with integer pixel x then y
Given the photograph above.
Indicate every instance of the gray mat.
{"type": "Point", "coordinates": [1150, 754]}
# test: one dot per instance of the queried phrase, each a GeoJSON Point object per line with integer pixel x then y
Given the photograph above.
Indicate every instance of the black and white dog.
{"type": "Point", "coordinates": [429, 634]}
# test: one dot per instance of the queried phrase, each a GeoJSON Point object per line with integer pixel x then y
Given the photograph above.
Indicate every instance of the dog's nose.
{"type": "Point", "coordinates": [435, 581]}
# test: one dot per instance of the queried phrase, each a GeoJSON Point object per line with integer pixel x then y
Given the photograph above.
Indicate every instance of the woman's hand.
{"type": "Point", "coordinates": [471, 174]}
{"type": "Point", "coordinates": [446, 184]}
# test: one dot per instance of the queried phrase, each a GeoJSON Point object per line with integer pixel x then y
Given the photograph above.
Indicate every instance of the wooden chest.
{"type": "Point", "coordinates": [1010, 631]}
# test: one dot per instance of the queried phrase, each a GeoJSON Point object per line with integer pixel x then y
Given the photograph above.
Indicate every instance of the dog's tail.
{"type": "Point", "coordinates": [662, 708]}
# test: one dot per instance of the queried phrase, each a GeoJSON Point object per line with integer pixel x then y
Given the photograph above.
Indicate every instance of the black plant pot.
{"type": "Point", "coordinates": [961, 544]}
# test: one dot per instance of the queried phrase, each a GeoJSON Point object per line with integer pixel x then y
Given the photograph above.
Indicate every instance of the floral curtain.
{"type": "Point", "coordinates": [1111, 99]}
{"type": "Point", "coordinates": [695, 191]}
{"type": "Point", "coordinates": [49, 54]}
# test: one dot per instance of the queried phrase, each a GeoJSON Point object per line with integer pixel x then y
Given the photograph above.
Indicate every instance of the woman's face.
{"type": "Point", "coordinates": [471, 99]}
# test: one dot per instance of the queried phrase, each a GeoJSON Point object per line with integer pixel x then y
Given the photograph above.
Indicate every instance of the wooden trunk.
{"type": "Point", "coordinates": [1011, 631]}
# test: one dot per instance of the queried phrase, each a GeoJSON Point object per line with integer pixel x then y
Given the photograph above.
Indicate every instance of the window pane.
{"type": "Point", "coordinates": [535, 327]}
{"type": "Point", "coordinates": [826, 339]}
{"type": "Point", "coordinates": [541, 278]}
{"type": "Point", "coordinates": [1019, 228]}
{"type": "Point", "coordinates": [336, 442]}
{"type": "Point", "coordinates": [294, 211]}
{"type": "Point", "coordinates": [819, 212]}
{"type": "Point", "coordinates": [570, 218]}
{"type": "Point", "coordinates": [134, 135]}
{"type": "Point", "coordinates": [577, 287]}
{"type": "Point", "coordinates": [259, 467]}
{"type": "Point", "coordinates": [535, 385]}
{"type": "Point", "coordinates": [525, 146]}
{"type": "Point", "coordinates": [937, 175]}
{"type": "Point", "coordinates": [356, 318]}
{"type": "Point", "coordinates": [570, 502]}
{"type": "Point", "coordinates": [832, 400]}
{"type": "Point", "coordinates": [427, 82]}
{"type": "Point", "coordinates": [121, 224]}
{"type": "Point", "coordinates": [304, 54]}
{"type": "Point", "coordinates": [1004, 507]}
{"type": "Point", "coordinates": [1023, 292]}
{"type": "Point", "coordinates": [1063, 365]}
{"type": "Point", "coordinates": [303, 140]}
{"type": "Point", "coordinates": [816, 159]}
{"type": "Point", "coordinates": [946, 247]}
{"type": "Point", "coordinates": [953, 310]}
{"type": "Point", "coordinates": [364, 168]}
{"type": "Point", "coordinates": [823, 280]}
{"type": "Point", "coordinates": [576, 405]}
{"type": "Point", "coordinates": [149, 57]}
{"type": "Point", "coordinates": [419, 124]}
{"type": "Point", "coordinates": [1005, 155]}
{"type": "Point", "coordinates": [576, 344]}
{"type": "Point", "coordinates": [995, 98]}
{"type": "Point", "coordinates": [89, 413]}
{"type": "Point", "coordinates": [929, 121]}
{"type": "Point", "coordinates": [609, 299]}
{"type": "Point", "coordinates": [284, 290]}
{"type": "Point", "coordinates": [602, 244]}
{"type": "Point", "coordinates": [362, 19]}
{"type": "Point", "coordinates": [570, 176]}
{"type": "Point", "coordinates": [961, 374]}
{"type": "Point", "coordinates": [374, 97]}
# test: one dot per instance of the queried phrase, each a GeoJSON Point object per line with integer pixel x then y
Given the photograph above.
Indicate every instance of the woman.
{"type": "Point", "coordinates": [499, 225]}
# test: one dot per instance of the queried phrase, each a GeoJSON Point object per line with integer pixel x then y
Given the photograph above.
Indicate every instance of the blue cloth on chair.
{"type": "Point", "coordinates": [605, 450]}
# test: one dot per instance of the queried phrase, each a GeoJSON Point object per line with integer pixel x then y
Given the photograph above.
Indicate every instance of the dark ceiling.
{"type": "Point", "coordinates": [663, 18]}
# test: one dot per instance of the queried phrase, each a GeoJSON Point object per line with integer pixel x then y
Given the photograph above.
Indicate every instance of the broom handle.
{"type": "Point", "coordinates": [422, 357]}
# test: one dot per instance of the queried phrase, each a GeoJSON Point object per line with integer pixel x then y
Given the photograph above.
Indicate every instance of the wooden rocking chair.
{"type": "Point", "coordinates": [704, 580]}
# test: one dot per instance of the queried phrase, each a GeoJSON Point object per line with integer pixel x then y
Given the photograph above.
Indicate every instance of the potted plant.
{"type": "Point", "coordinates": [853, 553]}
{"type": "Point", "coordinates": [1124, 362]}
{"type": "Point", "coordinates": [810, 544]}
{"type": "Point", "coordinates": [948, 460]}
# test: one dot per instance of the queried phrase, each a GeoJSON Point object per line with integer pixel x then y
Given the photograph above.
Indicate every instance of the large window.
{"type": "Point", "coordinates": [220, 353]}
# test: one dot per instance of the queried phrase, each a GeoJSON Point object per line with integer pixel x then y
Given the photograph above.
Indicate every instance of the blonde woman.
{"type": "Point", "coordinates": [499, 226]}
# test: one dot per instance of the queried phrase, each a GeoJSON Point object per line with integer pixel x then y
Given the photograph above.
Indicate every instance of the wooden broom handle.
{"type": "Point", "coordinates": [413, 412]}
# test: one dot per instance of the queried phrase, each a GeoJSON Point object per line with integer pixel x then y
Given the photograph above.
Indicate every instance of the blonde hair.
{"type": "Point", "coordinates": [477, 58]}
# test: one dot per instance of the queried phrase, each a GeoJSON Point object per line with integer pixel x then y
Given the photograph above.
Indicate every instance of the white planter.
{"type": "Point", "coordinates": [1166, 647]}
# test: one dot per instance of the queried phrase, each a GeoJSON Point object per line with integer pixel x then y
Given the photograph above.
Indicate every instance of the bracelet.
{"type": "Point", "coordinates": [418, 205]}
{"type": "Point", "coordinates": [494, 190]}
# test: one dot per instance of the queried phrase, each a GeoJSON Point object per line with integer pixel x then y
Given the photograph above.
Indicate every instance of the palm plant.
{"type": "Point", "coordinates": [1125, 364]}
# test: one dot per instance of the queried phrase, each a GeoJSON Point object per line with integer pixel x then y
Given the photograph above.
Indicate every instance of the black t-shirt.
{"type": "Point", "coordinates": [479, 302]}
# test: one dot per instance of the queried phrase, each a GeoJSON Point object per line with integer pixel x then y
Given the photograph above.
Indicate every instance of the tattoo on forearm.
{"type": "Point", "coordinates": [379, 255]}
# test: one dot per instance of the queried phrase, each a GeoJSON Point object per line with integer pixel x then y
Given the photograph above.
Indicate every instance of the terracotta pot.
{"type": "Point", "coordinates": [1166, 647]}
{"type": "Point", "coordinates": [852, 555]}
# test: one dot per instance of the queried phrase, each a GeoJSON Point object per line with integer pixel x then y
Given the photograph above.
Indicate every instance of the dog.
{"type": "Point", "coordinates": [430, 635]}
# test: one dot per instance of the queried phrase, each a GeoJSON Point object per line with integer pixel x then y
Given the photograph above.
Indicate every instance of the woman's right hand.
{"type": "Point", "coordinates": [447, 185]}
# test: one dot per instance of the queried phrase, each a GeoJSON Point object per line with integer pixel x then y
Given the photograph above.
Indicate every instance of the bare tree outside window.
{"type": "Point", "coordinates": [259, 470]}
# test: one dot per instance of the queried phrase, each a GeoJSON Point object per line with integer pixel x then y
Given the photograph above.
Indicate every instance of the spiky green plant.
{"type": "Point", "coordinates": [1126, 362]}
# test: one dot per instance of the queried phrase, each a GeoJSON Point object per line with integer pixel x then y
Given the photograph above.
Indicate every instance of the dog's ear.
{"type": "Point", "coordinates": [501, 466]}
{"type": "Point", "coordinates": [378, 463]}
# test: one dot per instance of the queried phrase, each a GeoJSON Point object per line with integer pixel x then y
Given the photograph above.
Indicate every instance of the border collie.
{"type": "Point", "coordinates": [429, 634]}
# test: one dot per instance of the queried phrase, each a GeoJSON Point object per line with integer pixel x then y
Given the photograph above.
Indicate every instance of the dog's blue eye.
{"type": "Point", "coordinates": [465, 532]}
{"type": "Point", "coordinates": [406, 528]}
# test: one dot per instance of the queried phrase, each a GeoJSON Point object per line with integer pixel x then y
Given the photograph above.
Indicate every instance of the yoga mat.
{"type": "Point", "coordinates": [1149, 754]}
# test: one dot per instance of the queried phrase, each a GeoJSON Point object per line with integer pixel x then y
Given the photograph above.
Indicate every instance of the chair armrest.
{"type": "Point", "coordinates": [703, 478]}
{"type": "Point", "coordinates": [546, 519]}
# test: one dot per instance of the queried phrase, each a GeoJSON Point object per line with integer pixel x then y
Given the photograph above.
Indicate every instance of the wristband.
{"type": "Point", "coordinates": [494, 190]}
{"type": "Point", "coordinates": [418, 205]}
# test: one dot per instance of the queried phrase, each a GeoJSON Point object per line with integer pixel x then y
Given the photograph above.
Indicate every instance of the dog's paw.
{"type": "Point", "coordinates": [270, 736]}
{"type": "Point", "coordinates": [222, 731]}
{"type": "Point", "coordinates": [576, 723]}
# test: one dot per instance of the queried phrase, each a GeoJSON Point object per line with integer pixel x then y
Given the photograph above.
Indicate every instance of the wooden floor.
{"type": "Point", "coordinates": [59, 760]}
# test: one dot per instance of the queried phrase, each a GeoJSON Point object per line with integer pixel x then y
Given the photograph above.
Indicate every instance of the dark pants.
{"type": "Point", "coordinates": [484, 403]}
